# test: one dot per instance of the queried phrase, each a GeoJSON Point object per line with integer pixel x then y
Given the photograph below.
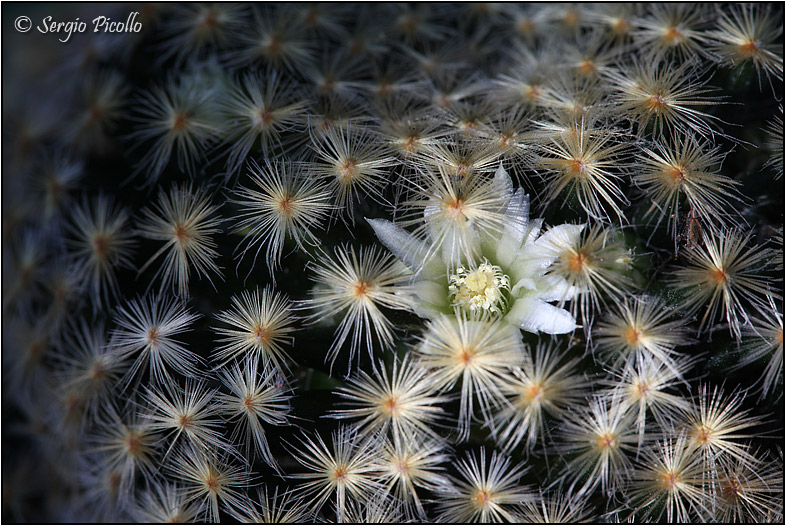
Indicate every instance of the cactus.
{"type": "Point", "coordinates": [393, 263]}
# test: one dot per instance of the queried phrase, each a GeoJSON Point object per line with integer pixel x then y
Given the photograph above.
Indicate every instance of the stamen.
{"type": "Point", "coordinates": [479, 289]}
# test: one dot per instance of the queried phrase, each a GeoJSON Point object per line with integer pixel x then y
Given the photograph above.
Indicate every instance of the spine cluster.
{"type": "Point", "coordinates": [395, 263]}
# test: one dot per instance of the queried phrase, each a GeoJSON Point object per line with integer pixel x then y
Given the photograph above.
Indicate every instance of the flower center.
{"type": "Point", "coordinates": [152, 336]}
{"type": "Point", "coordinates": [479, 289]}
{"type": "Point", "coordinates": [719, 276]}
{"type": "Point", "coordinates": [632, 336]}
{"type": "Point", "coordinates": [134, 444]}
{"type": "Point", "coordinates": [731, 490]}
{"type": "Point", "coordinates": [340, 473]}
{"type": "Point", "coordinates": [391, 406]}
{"type": "Point", "coordinates": [606, 441]}
{"type": "Point", "coordinates": [532, 92]}
{"type": "Point", "coordinates": [703, 434]}
{"type": "Point", "coordinates": [525, 26]}
{"type": "Point", "coordinates": [620, 26]}
{"type": "Point", "coordinates": [179, 122]}
{"type": "Point", "coordinates": [348, 171]}
{"type": "Point", "coordinates": [505, 142]}
{"type": "Point", "coordinates": [261, 335]}
{"type": "Point", "coordinates": [262, 119]}
{"type": "Point", "coordinates": [213, 482]}
{"type": "Point", "coordinates": [657, 103]}
{"type": "Point", "coordinates": [286, 206]}
{"type": "Point", "coordinates": [677, 174]}
{"type": "Point", "coordinates": [641, 389]}
{"type": "Point", "coordinates": [670, 480]}
{"type": "Point", "coordinates": [673, 36]}
{"type": "Point", "coordinates": [483, 498]}
{"type": "Point", "coordinates": [750, 47]}
{"type": "Point", "coordinates": [97, 371]}
{"type": "Point", "coordinates": [533, 393]}
{"type": "Point", "coordinates": [411, 143]}
{"type": "Point", "coordinates": [587, 67]}
{"type": "Point", "coordinates": [101, 245]}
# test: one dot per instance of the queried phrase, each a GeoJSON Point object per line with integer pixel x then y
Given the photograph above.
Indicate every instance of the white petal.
{"type": "Point", "coordinates": [525, 283]}
{"type": "Point", "coordinates": [531, 263]}
{"type": "Point", "coordinates": [534, 315]}
{"type": "Point", "coordinates": [431, 292]}
{"type": "Point", "coordinates": [558, 237]}
{"type": "Point", "coordinates": [517, 216]}
{"type": "Point", "coordinates": [534, 229]}
{"type": "Point", "coordinates": [401, 243]}
{"type": "Point", "coordinates": [431, 299]}
{"type": "Point", "coordinates": [555, 288]}
{"type": "Point", "coordinates": [542, 252]}
{"type": "Point", "coordinates": [502, 181]}
{"type": "Point", "coordinates": [516, 228]}
{"type": "Point", "coordinates": [452, 249]}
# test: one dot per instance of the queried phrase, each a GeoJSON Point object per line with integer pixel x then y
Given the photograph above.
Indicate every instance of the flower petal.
{"type": "Point", "coordinates": [516, 228]}
{"type": "Point", "coordinates": [502, 181]}
{"type": "Point", "coordinates": [401, 243]}
{"type": "Point", "coordinates": [535, 315]}
{"type": "Point", "coordinates": [556, 238]}
{"type": "Point", "coordinates": [556, 288]}
{"type": "Point", "coordinates": [433, 294]}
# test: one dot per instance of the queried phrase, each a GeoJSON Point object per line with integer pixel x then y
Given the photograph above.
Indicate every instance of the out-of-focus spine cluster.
{"type": "Point", "coordinates": [396, 262]}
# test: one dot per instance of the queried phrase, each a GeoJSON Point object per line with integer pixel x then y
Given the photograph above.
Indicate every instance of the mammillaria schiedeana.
{"type": "Point", "coordinates": [393, 262]}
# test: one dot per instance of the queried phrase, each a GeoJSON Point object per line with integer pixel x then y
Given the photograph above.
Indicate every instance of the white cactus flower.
{"type": "Point", "coordinates": [511, 281]}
